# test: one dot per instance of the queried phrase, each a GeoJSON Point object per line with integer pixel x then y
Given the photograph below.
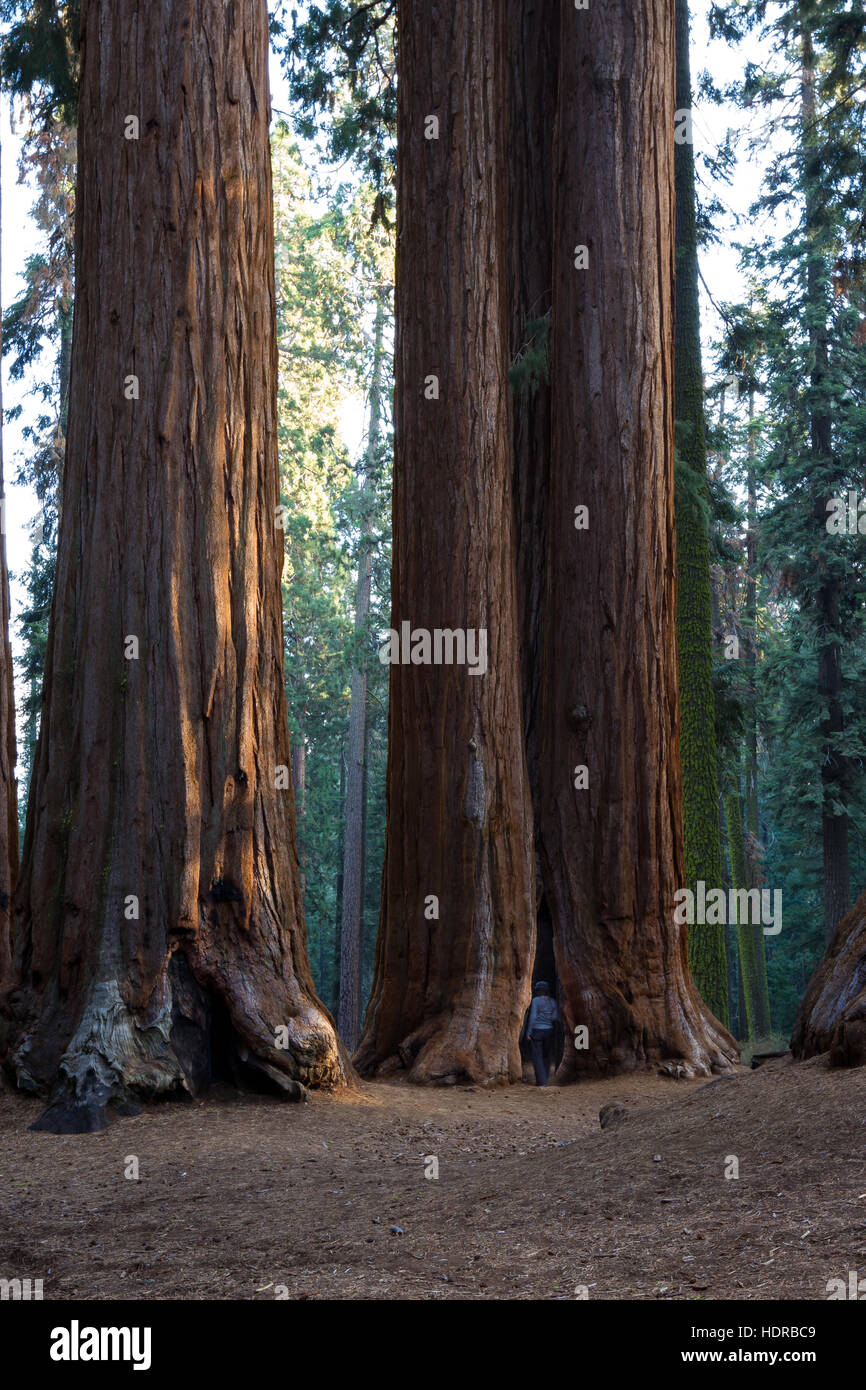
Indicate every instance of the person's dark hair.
{"type": "Point", "coordinates": [541, 987]}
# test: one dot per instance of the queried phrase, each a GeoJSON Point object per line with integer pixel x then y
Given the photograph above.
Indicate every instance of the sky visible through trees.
{"type": "Point", "coordinates": [435, 499]}
{"type": "Point", "coordinates": [719, 263]}
{"type": "Point", "coordinates": [334, 248]}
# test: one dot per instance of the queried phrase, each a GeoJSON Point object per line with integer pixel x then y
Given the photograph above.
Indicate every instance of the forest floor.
{"type": "Point", "coordinates": [247, 1197]}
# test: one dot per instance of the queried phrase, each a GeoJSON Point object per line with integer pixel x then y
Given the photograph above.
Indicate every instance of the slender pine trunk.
{"type": "Point", "coordinates": [338, 915]}
{"type": "Point", "coordinates": [744, 929]}
{"type": "Point", "coordinates": [349, 1011]}
{"type": "Point", "coordinates": [834, 827]}
{"type": "Point", "coordinates": [760, 989]}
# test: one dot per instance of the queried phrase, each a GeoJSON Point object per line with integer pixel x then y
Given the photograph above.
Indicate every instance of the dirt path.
{"type": "Point", "coordinates": [242, 1197]}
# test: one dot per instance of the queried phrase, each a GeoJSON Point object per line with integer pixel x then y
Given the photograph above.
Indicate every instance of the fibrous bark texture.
{"type": "Point", "coordinates": [159, 931]}
{"type": "Point", "coordinates": [533, 40]}
{"type": "Point", "coordinates": [612, 850]}
{"type": "Point", "coordinates": [8, 784]}
{"type": "Point", "coordinates": [832, 1013]}
{"type": "Point", "coordinates": [456, 932]}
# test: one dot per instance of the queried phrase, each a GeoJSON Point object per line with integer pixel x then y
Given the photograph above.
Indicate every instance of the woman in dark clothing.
{"type": "Point", "coordinates": [543, 1015]}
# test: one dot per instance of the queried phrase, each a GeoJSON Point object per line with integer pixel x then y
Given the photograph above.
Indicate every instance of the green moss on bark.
{"type": "Point", "coordinates": [707, 956]}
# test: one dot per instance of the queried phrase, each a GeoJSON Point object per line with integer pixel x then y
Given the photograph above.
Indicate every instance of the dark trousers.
{"type": "Point", "coordinates": [541, 1046]}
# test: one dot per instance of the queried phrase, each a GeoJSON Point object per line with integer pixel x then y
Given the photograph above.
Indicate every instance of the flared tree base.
{"type": "Point", "coordinates": [832, 1014]}
{"type": "Point", "coordinates": [442, 1054]}
{"type": "Point", "coordinates": [679, 1038]}
{"type": "Point", "coordinates": [115, 1061]}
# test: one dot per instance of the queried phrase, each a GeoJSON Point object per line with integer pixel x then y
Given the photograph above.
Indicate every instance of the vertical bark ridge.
{"type": "Point", "coordinates": [166, 777]}
{"type": "Point", "coordinates": [449, 993]}
{"type": "Point", "coordinates": [612, 854]}
{"type": "Point", "coordinates": [8, 783]}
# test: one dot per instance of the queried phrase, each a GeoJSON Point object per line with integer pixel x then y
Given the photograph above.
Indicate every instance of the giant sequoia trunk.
{"type": "Point", "coordinates": [532, 63]}
{"type": "Point", "coordinates": [612, 851]}
{"type": "Point", "coordinates": [159, 924]}
{"type": "Point", "coordinates": [8, 785]}
{"type": "Point", "coordinates": [832, 1013]}
{"type": "Point", "coordinates": [455, 936]}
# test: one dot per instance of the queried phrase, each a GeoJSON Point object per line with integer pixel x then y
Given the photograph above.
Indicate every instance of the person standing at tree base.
{"type": "Point", "coordinates": [543, 1015]}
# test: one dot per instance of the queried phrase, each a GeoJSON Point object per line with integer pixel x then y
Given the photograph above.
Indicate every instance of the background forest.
{"type": "Point", "coordinates": [772, 670]}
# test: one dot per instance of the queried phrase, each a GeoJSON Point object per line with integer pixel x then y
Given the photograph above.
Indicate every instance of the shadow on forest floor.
{"type": "Point", "coordinates": [239, 1196]}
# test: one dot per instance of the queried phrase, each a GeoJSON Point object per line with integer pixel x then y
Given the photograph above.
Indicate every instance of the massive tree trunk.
{"type": "Point", "coordinates": [455, 937]}
{"type": "Point", "coordinates": [159, 929]}
{"type": "Point", "coordinates": [612, 852]}
{"type": "Point", "coordinates": [832, 1013]}
{"type": "Point", "coordinates": [349, 1012]}
{"type": "Point", "coordinates": [8, 784]}
{"type": "Point", "coordinates": [694, 604]}
{"type": "Point", "coordinates": [299, 789]}
{"type": "Point", "coordinates": [532, 65]}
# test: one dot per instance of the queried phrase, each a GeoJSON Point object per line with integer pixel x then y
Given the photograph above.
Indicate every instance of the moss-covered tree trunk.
{"type": "Point", "coordinates": [694, 609]}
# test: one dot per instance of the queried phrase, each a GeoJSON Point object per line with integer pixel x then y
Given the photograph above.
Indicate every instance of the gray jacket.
{"type": "Point", "coordinates": [543, 1013]}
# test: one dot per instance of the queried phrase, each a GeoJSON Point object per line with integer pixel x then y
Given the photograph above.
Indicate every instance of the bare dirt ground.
{"type": "Point", "coordinates": [250, 1198]}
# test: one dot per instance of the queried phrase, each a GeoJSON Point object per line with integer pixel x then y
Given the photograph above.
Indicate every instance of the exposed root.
{"type": "Point", "coordinates": [116, 1061]}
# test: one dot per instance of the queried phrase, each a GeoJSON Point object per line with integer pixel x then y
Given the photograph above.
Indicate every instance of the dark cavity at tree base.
{"type": "Point", "coordinates": [114, 1062]}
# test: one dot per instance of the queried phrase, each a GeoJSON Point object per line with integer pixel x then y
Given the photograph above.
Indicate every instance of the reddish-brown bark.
{"type": "Point", "coordinates": [166, 778]}
{"type": "Point", "coordinates": [532, 65]}
{"type": "Point", "coordinates": [832, 1013]}
{"type": "Point", "coordinates": [8, 784]}
{"type": "Point", "coordinates": [449, 994]}
{"type": "Point", "coordinates": [612, 855]}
